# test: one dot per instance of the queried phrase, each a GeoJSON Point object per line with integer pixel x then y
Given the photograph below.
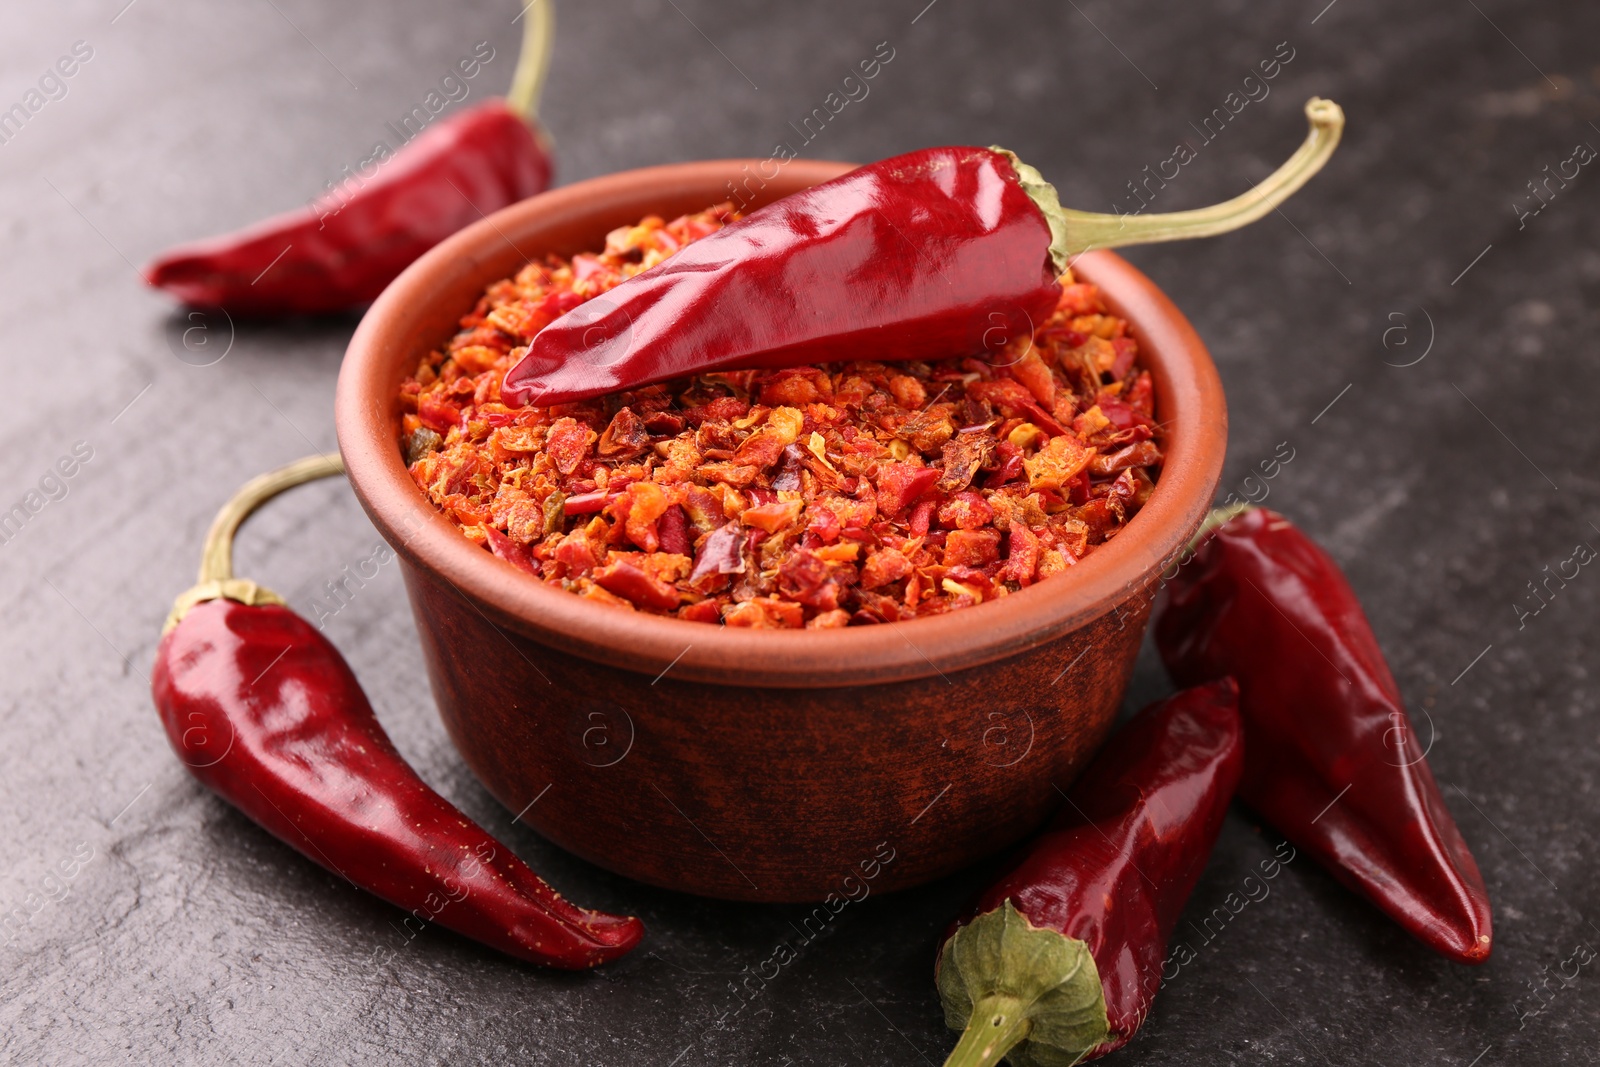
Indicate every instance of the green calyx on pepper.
{"type": "Point", "coordinates": [1018, 990]}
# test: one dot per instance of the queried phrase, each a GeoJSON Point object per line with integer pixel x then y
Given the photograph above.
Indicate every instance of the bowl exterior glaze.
{"type": "Point", "coordinates": [757, 765]}
{"type": "Point", "coordinates": [771, 794]}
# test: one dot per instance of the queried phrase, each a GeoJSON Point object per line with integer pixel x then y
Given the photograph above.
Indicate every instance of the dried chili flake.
{"type": "Point", "coordinates": [964, 455]}
{"type": "Point", "coordinates": [625, 437]}
{"type": "Point", "coordinates": [1058, 462]}
{"type": "Point", "coordinates": [966, 510]}
{"type": "Point", "coordinates": [628, 580]}
{"type": "Point", "coordinates": [900, 484]}
{"type": "Point", "coordinates": [437, 414]}
{"type": "Point", "coordinates": [1138, 454]}
{"type": "Point", "coordinates": [765, 613]}
{"type": "Point", "coordinates": [568, 443]}
{"type": "Point", "coordinates": [722, 552]}
{"type": "Point", "coordinates": [883, 567]}
{"type": "Point", "coordinates": [971, 548]}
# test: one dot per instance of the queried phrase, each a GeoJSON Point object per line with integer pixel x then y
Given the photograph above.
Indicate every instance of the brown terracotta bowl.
{"type": "Point", "coordinates": [771, 766]}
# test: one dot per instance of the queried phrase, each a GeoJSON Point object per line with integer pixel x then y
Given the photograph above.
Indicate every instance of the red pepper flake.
{"type": "Point", "coordinates": [773, 517]}
{"type": "Point", "coordinates": [1126, 348]}
{"type": "Point", "coordinates": [765, 613]}
{"type": "Point", "coordinates": [971, 548]}
{"type": "Point", "coordinates": [625, 437]}
{"type": "Point", "coordinates": [438, 415]}
{"type": "Point", "coordinates": [1058, 462]}
{"type": "Point", "coordinates": [883, 567]}
{"type": "Point", "coordinates": [806, 578]}
{"type": "Point", "coordinates": [627, 580]}
{"type": "Point", "coordinates": [646, 504]}
{"type": "Point", "coordinates": [722, 553]}
{"type": "Point", "coordinates": [508, 550]}
{"type": "Point", "coordinates": [964, 455]}
{"type": "Point", "coordinates": [1022, 560]}
{"type": "Point", "coordinates": [1138, 454]}
{"type": "Point", "coordinates": [1030, 370]}
{"type": "Point", "coordinates": [588, 503]}
{"type": "Point", "coordinates": [1010, 468]}
{"type": "Point", "coordinates": [825, 525]}
{"type": "Point", "coordinates": [900, 483]}
{"type": "Point", "coordinates": [577, 552]}
{"type": "Point", "coordinates": [673, 531]}
{"type": "Point", "coordinates": [568, 443]}
{"type": "Point", "coordinates": [966, 510]}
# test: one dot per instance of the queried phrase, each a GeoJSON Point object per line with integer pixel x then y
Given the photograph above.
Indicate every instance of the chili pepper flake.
{"type": "Point", "coordinates": [814, 496]}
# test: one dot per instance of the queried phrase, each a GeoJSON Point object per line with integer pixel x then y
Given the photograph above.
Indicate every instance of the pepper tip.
{"type": "Point", "coordinates": [1471, 951]}
{"type": "Point", "coordinates": [614, 935]}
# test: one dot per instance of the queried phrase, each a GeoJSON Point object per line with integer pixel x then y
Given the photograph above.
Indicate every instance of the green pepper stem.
{"type": "Point", "coordinates": [999, 1023]}
{"type": "Point", "coordinates": [1214, 518]}
{"type": "Point", "coordinates": [1074, 232]}
{"type": "Point", "coordinates": [216, 558]}
{"type": "Point", "coordinates": [533, 62]}
{"type": "Point", "coordinates": [1088, 230]}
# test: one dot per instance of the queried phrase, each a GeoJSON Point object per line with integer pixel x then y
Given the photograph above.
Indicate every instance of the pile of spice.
{"type": "Point", "coordinates": [816, 496]}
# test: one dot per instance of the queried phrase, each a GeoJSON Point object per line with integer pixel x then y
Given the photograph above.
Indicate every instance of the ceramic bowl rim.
{"type": "Point", "coordinates": [1190, 404]}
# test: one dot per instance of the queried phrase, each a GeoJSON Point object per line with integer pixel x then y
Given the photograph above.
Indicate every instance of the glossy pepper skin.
{"type": "Point", "coordinates": [333, 256]}
{"type": "Point", "coordinates": [938, 252]}
{"type": "Point", "coordinates": [1332, 761]}
{"type": "Point", "coordinates": [1111, 874]}
{"type": "Point", "coordinates": [266, 713]}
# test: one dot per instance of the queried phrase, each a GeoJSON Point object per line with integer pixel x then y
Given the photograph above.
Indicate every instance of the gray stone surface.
{"type": "Point", "coordinates": [1444, 487]}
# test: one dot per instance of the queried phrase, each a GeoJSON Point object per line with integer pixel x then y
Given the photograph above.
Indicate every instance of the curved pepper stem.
{"type": "Point", "coordinates": [533, 62]}
{"type": "Point", "coordinates": [216, 580]}
{"type": "Point", "coordinates": [1075, 232]}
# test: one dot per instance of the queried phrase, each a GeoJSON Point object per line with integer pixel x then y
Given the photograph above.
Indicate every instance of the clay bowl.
{"type": "Point", "coordinates": [759, 765]}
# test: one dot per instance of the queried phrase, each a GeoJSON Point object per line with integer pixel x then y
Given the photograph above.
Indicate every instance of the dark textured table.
{"type": "Point", "coordinates": [1416, 325]}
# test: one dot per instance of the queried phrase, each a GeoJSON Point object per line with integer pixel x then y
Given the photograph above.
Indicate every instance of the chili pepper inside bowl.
{"type": "Point", "coordinates": [762, 765]}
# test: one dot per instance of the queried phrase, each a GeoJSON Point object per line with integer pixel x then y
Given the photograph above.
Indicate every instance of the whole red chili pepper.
{"type": "Point", "coordinates": [939, 252]}
{"type": "Point", "coordinates": [1065, 953]}
{"type": "Point", "coordinates": [312, 260]}
{"type": "Point", "coordinates": [1332, 761]}
{"type": "Point", "coordinates": [267, 714]}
